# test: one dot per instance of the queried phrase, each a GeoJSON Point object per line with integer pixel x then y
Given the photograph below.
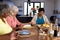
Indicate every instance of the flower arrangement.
{"type": "Point", "coordinates": [34, 10]}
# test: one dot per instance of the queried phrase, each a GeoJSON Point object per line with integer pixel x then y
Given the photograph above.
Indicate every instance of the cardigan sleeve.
{"type": "Point", "coordinates": [46, 19]}
{"type": "Point", "coordinates": [34, 19]}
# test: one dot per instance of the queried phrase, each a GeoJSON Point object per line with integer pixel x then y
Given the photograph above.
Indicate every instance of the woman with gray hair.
{"type": "Point", "coordinates": [5, 29]}
{"type": "Point", "coordinates": [12, 20]}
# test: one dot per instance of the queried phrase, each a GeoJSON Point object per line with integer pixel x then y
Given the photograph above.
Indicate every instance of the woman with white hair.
{"type": "Point", "coordinates": [12, 20]}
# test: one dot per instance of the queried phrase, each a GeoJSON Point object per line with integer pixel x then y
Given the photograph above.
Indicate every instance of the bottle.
{"type": "Point", "coordinates": [56, 28]}
{"type": "Point", "coordinates": [56, 24]}
{"type": "Point", "coordinates": [55, 33]}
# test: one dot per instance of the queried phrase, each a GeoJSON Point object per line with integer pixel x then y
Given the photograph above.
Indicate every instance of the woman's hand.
{"type": "Point", "coordinates": [21, 26]}
{"type": "Point", "coordinates": [32, 23]}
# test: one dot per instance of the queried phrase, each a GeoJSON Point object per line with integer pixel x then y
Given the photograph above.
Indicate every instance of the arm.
{"type": "Point", "coordinates": [10, 22]}
{"type": "Point", "coordinates": [46, 20]}
{"type": "Point", "coordinates": [33, 21]}
{"type": "Point", "coordinates": [19, 23]}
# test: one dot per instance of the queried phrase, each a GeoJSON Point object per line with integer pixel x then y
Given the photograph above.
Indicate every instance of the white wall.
{"type": "Point", "coordinates": [49, 5]}
{"type": "Point", "coordinates": [57, 5]}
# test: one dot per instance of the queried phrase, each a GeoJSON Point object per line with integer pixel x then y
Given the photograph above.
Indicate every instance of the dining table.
{"type": "Point", "coordinates": [32, 36]}
{"type": "Point", "coordinates": [37, 35]}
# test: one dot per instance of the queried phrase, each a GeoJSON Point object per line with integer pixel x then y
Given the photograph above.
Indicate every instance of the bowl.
{"type": "Point", "coordinates": [24, 19]}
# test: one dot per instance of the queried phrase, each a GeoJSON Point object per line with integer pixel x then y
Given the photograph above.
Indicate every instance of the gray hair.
{"type": "Point", "coordinates": [3, 9]}
{"type": "Point", "coordinates": [13, 9]}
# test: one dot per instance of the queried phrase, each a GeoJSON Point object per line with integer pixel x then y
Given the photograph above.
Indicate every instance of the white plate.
{"type": "Point", "coordinates": [24, 32]}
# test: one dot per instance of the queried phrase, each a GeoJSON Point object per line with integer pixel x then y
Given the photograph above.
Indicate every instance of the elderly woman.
{"type": "Point", "coordinates": [40, 18]}
{"type": "Point", "coordinates": [12, 20]}
{"type": "Point", "coordinates": [5, 29]}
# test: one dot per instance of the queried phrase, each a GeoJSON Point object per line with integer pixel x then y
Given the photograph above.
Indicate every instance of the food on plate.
{"type": "Point", "coordinates": [45, 25]}
{"type": "Point", "coordinates": [27, 26]}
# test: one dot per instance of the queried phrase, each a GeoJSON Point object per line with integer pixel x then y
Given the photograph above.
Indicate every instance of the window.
{"type": "Point", "coordinates": [42, 5]}
{"type": "Point", "coordinates": [28, 7]}
{"type": "Point", "coordinates": [25, 8]}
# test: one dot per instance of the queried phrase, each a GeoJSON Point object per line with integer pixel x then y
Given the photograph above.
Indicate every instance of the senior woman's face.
{"type": "Point", "coordinates": [14, 10]}
{"type": "Point", "coordinates": [15, 13]}
{"type": "Point", "coordinates": [40, 13]}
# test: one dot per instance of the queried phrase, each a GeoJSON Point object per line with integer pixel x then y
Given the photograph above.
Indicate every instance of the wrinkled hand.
{"type": "Point", "coordinates": [21, 26]}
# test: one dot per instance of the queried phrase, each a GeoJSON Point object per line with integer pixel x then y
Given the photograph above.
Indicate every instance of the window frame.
{"type": "Point", "coordinates": [33, 5]}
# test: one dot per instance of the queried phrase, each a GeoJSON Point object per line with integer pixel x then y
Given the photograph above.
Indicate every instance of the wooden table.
{"type": "Point", "coordinates": [43, 36]}
{"type": "Point", "coordinates": [32, 36]}
{"type": "Point", "coordinates": [27, 37]}
{"type": "Point", "coordinates": [56, 38]}
{"type": "Point", "coordinates": [35, 35]}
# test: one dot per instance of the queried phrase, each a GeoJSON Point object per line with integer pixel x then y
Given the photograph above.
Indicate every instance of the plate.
{"type": "Point", "coordinates": [24, 32]}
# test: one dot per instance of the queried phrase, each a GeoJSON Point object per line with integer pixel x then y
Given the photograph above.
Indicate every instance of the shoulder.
{"type": "Point", "coordinates": [45, 16]}
{"type": "Point", "coordinates": [8, 18]}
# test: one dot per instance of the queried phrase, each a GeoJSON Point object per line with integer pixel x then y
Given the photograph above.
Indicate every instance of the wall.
{"type": "Point", "coordinates": [49, 5]}
{"type": "Point", "coordinates": [57, 5]}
